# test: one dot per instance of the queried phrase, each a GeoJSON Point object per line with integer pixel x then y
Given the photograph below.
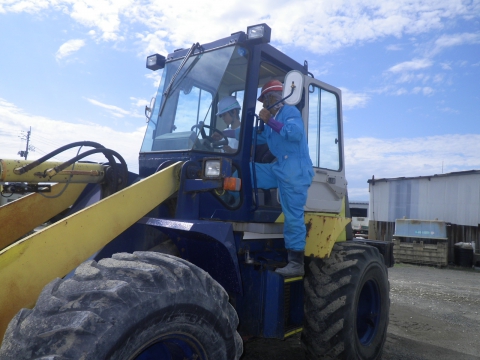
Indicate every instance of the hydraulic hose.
{"type": "Point", "coordinates": [25, 168]}
{"type": "Point", "coordinates": [108, 154]}
{"type": "Point", "coordinates": [99, 148]}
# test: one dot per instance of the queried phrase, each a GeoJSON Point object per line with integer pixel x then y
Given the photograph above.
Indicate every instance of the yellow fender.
{"type": "Point", "coordinates": [323, 231]}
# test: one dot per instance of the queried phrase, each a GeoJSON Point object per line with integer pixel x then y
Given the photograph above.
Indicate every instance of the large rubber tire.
{"type": "Point", "coordinates": [347, 304]}
{"type": "Point", "coordinates": [143, 305]}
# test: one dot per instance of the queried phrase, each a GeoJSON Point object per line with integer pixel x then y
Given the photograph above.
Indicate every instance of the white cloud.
{"type": "Point", "coordinates": [423, 90]}
{"type": "Point", "coordinates": [415, 64]}
{"type": "Point", "coordinates": [407, 72]}
{"type": "Point", "coordinates": [154, 42]}
{"type": "Point", "coordinates": [156, 76]}
{"type": "Point", "coordinates": [29, 6]}
{"type": "Point", "coordinates": [450, 40]}
{"type": "Point", "coordinates": [335, 24]}
{"type": "Point", "coordinates": [103, 14]}
{"type": "Point", "coordinates": [47, 132]}
{"type": "Point", "coordinates": [406, 78]}
{"type": "Point", "coordinates": [446, 66]}
{"type": "Point", "coordinates": [139, 102]}
{"type": "Point", "coordinates": [438, 78]}
{"type": "Point", "coordinates": [394, 47]}
{"type": "Point", "coordinates": [450, 110]}
{"type": "Point", "coordinates": [69, 48]}
{"type": "Point", "coordinates": [321, 26]}
{"type": "Point", "coordinates": [114, 110]}
{"type": "Point", "coordinates": [352, 100]}
{"type": "Point", "coordinates": [391, 158]}
{"type": "Point", "coordinates": [427, 90]}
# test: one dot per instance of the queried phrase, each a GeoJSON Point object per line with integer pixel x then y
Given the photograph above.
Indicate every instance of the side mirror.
{"type": "Point", "coordinates": [293, 81]}
{"type": "Point", "coordinates": [149, 109]}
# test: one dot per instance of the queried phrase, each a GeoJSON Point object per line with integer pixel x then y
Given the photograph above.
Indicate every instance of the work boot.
{"type": "Point", "coordinates": [294, 266]}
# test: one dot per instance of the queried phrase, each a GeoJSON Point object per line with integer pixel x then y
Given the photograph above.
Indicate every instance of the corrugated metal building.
{"type": "Point", "coordinates": [453, 198]}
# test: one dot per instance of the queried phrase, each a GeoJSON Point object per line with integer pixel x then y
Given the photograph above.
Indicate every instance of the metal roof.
{"type": "Point", "coordinates": [373, 180]}
{"type": "Point", "coordinates": [358, 203]}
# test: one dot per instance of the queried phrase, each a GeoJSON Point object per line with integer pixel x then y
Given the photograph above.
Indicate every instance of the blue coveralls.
{"type": "Point", "coordinates": [292, 173]}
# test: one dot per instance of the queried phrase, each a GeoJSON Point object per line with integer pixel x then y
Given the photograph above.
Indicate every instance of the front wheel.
{"type": "Point", "coordinates": [346, 304]}
{"type": "Point", "coordinates": [139, 306]}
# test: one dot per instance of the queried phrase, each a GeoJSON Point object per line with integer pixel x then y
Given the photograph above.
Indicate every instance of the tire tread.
{"type": "Point", "coordinates": [71, 314]}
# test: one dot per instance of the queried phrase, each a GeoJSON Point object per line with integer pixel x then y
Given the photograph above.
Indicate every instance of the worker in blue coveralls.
{"type": "Point", "coordinates": [292, 173]}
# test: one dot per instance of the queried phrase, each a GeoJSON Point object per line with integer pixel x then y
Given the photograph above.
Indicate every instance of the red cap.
{"type": "Point", "coordinates": [272, 85]}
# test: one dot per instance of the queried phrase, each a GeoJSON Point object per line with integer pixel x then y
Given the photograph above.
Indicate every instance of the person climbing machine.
{"type": "Point", "coordinates": [292, 173]}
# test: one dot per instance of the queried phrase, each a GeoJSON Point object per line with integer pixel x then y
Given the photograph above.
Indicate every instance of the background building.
{"type": "Point", "coordinates": [453, 198]}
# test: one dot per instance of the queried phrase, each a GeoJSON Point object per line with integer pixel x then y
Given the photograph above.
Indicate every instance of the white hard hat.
{"type": "Point", "coordinates": [226, 104]}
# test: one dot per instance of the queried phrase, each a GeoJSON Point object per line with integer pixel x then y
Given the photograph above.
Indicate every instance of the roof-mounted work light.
{"type": "Point", "coordinates": [155, 62]}
{"type": "Point", "coordinates": [259, 33]}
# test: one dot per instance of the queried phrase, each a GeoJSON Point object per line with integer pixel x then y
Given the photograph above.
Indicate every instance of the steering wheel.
{"type": "Point", "coordinates": [216, 144]}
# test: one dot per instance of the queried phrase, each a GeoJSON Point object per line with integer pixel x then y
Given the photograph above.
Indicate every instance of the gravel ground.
{"type": "Point", "coordinates": [434, 315]}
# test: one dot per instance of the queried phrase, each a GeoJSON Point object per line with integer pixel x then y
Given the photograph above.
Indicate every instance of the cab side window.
{"type": "Point", "coordinates": [323, 129]}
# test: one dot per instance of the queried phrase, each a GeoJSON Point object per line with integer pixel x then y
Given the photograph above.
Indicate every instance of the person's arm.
{"type": "Point", "coordinates": [229, 133]}
{"type": "Point", "coordinates": [291, 127]}
{"type": "Point", "coordinates": [275, 125]}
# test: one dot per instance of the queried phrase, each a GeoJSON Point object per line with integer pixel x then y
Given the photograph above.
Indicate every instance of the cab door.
{"type": "Point", "coordinates": [322, 115]}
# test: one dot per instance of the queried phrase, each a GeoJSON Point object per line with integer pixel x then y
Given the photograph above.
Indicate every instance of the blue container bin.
{"type": "Point", "coordinates": [422, 229]}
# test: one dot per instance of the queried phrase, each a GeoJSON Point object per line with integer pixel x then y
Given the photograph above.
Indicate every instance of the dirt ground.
{"type": "Point", "coordinates": [434, 315]}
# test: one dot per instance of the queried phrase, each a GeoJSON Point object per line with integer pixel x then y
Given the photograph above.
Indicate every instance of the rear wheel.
{"type": "Point", "coordinates": [346, 304]}
{"type": "Point", "coordinates": [140, 306]}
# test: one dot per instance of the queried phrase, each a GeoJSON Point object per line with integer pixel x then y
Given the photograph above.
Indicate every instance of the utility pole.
{"type": "Point", "coordinates": [22, 153]}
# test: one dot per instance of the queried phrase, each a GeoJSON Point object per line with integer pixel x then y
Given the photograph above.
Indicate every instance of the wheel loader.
{"type": "Point", "coordinates": [178, 261]}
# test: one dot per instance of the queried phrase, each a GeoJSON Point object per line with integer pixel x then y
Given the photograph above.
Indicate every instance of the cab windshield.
{"type": "Point", "coordinates": [185, 119]}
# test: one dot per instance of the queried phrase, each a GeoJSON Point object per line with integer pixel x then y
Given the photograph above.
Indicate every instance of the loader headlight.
{"type": "Point", "coordinates": [155, 62]}
{"type": "Point", "coordinates": [259, 33]}
{"type": "Point", "coordinates": [213, 168]}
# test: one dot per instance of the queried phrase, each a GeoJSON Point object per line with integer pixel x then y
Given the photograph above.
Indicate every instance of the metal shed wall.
{"type": "Point", "coordinates": [453, 198]}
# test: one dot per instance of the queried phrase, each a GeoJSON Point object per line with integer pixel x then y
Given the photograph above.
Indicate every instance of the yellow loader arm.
{"type": "Point", "coordinates": [23, 215]}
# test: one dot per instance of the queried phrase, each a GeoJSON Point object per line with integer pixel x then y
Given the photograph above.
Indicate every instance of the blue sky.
{"type": "Point", "coordinates": [409, 72]}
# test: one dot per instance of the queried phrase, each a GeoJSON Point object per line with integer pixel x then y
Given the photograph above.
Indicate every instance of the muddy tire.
{"type": "Point", "coordinates": [131, 306]}
{"type": "Point", "coordinates": [346, 304]}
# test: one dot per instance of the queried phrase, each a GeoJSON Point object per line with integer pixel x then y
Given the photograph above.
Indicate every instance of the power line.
{"type": "Point", "coordinates": [45, 142]}
{"type": "Point", "coordinates": [53, 158]}
{"type": "Point", "coordinates": [48, 141]}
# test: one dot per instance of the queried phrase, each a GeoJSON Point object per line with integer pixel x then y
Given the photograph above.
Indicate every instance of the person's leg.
{"type": "Point", "coordinates": [294, 231]}
{"type": "Point", "coordinates": [293, 200]}
{"type": "Point", "coordinates": [266, 179]}
{"type": "Point", "coordinates": [293, 196]}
